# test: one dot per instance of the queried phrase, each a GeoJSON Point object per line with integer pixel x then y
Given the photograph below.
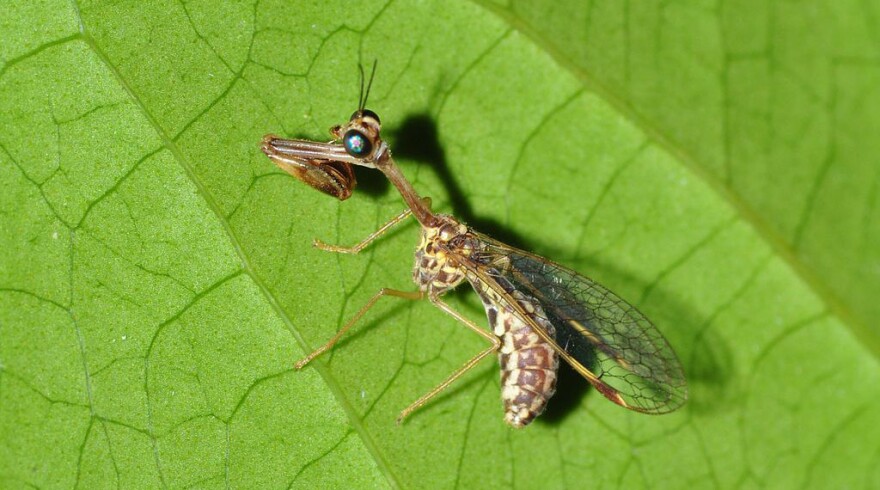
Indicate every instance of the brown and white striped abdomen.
{"type": "Point", "coordinates": [529, 365]}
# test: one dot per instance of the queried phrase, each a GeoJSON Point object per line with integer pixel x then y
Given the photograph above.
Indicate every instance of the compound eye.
{"type": "Point", "coordinates": [357, 144]}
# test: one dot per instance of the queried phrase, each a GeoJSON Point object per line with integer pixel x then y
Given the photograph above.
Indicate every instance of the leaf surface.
{"type": "Point", "coordinates": [709, 162]}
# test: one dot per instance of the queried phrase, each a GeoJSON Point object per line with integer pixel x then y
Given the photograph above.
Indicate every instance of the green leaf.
{"type": "Point", "coordinates": [712, 163]}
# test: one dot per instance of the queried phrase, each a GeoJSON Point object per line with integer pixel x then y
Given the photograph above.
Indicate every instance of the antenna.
{"type": "Point", "coordinates": [361, 94]}
{"type": "Point", "coordinates": [363, 102]}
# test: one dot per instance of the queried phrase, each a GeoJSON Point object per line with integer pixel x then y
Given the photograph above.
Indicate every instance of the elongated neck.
{"type": "Point", "coordinates": [415, 202]}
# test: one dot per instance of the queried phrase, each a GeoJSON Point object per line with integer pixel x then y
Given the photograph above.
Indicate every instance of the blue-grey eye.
{"type": "Point", "coordinates": [356, 144]}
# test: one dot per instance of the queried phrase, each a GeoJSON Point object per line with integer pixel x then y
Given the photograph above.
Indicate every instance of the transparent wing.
{"type": "Point", "coordinates": [605, 339]}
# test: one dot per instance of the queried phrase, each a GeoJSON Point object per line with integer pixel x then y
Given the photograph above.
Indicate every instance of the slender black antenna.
{"type": "Point", "coordinates": [369, 85]}
{"type": "Point", "coordinates": [361, 95]}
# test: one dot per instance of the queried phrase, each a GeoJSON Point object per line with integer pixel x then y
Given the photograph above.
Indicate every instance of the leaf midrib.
{"type": "Point", "coordinates": [762, 227]}
{"type": "Point", "coordinates": [752, 218]}
{"type": "Point", "coordinates": [168, 142]}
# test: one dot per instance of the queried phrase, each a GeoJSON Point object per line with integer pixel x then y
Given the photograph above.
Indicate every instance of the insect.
{"type": "Point", "coordinates": [538, 311]}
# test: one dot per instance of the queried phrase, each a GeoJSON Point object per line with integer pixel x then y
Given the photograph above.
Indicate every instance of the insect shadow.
{"type": "Point", "coordinates": [416, 139]}
{"type": "Point", "coordinates": [370, 182]}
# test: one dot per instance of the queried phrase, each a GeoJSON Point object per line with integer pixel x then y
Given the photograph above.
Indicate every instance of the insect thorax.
{"type": "Point", "coordinates": [436, 271]}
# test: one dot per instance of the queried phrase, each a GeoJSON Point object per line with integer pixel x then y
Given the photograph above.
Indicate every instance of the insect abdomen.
{"type": "Point", "coordinates": [528, 363]}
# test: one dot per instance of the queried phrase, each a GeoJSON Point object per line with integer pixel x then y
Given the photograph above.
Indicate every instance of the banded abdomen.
{"type": "Point", "coordinates": [529, 364]}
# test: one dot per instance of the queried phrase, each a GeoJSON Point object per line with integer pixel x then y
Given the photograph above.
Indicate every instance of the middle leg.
{"type": "Point", "coordinates": [496, 344]}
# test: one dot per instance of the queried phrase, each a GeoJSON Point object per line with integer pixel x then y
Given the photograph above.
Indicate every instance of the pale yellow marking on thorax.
{"type": "Point", "coordinates": [435, 271]}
